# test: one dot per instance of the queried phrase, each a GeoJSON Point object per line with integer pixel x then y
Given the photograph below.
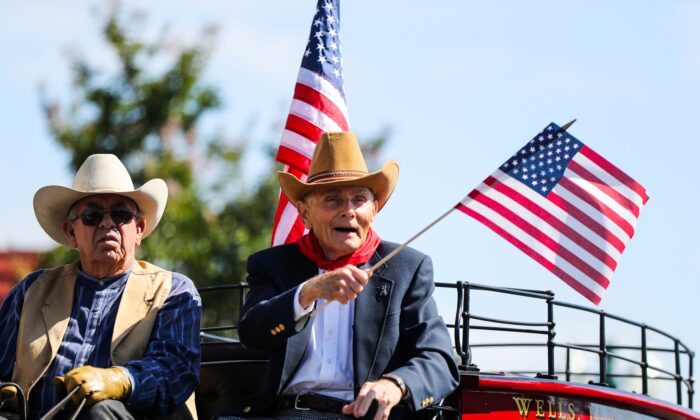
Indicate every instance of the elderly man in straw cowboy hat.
{"type": "Point", "coordinates": [380, 339]}
{"type": "Point", "coordinates": [123, 332]}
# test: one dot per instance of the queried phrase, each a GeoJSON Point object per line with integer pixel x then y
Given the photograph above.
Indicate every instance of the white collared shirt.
{"type": "Point", "coordinates": [326, 367]}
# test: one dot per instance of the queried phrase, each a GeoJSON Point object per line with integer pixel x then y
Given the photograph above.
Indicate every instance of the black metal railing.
{"type": "Point", "coordinates": [463, 325]}
{"type": "Point", "coordinates": [240, 288]}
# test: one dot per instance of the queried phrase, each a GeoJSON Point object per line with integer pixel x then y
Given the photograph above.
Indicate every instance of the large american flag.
{"type": "Point", "coordinates": [318, 105]}
{"type": "Point", "coordinates": [564, 205]}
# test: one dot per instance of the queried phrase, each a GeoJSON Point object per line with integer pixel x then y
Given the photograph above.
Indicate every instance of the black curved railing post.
{"type": "Point", "coordinates": [603, 355]}
{"type": "Point", "coordinates": [567, 372]}
{"type": "Point", "coordinates": [679, 377]}
{"type": "Point", "coordinates": [466, 317]}
{"type": "Point", "coordinates": [550, 335]}
{"type": "Point", "coordinates": [458, 326]}
{"type": "Point", "coordinates": [691, 388]}
{"type": "Point", "coordinates": [645, 364]}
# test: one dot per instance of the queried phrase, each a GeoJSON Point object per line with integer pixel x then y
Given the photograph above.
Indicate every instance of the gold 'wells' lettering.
{"type": "Point", "coordinates": [554, 409]}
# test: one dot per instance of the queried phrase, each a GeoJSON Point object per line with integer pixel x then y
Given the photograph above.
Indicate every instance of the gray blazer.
{"type": "Point", "coordinates": [397, 327]}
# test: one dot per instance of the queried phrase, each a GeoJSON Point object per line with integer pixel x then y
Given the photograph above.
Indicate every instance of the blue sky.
{"type": "Point", "coordinates": [461, 87]}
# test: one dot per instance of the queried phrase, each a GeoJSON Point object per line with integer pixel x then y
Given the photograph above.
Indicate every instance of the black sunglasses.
{"type": "Point", "coordinates": [120, 215]}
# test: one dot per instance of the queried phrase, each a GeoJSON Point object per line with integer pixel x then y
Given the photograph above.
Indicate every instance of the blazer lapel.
{"type": "Point", "coordinates": [296, 345]}
{"type": "Point", "coordinates": [371, 310]}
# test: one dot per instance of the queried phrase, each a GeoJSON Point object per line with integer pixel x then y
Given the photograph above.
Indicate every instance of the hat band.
{"type": "Point", "coordinates": [333, 174]}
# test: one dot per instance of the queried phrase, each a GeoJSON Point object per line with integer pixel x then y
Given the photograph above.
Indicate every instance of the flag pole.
{"type": "Point", "coordinates": [391, 255]}
{"type": "Point", "coordinates": [567, 125]}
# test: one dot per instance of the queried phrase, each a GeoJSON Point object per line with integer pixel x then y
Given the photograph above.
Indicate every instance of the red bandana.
{"type": "Point", "coordinates": [309, 246]}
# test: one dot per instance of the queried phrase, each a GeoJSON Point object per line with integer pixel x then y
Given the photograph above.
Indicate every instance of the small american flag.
{"type": "Point", "coordinates": [565, 206]}
{"type": "Point", "coordinates": [318, 105]}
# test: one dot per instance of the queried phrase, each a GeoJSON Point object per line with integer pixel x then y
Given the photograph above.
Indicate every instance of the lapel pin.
{"type": "Point", "coordinates": [382, 290]}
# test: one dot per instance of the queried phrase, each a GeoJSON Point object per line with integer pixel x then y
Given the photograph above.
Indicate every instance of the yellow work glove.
{"type": "Point", "coordinates": [98, 384]}
{"type": "Point", "coordinates": [7, 391]}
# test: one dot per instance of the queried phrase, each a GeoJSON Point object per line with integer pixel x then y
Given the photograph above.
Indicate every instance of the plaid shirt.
{"type": "Point", "coordinates": [162, 379]}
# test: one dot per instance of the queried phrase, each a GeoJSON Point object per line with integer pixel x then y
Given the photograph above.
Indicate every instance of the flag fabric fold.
{"type": "Point", "coordinates": [318, 105]}
{"type": "Point", "coordinates": [565, 206]}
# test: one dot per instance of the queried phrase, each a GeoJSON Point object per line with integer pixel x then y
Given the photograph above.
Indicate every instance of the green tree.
{"type": "Point", "coordinates": [150, 120]}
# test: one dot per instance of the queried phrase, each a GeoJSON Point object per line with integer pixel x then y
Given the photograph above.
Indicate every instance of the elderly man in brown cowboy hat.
{"type": "Point", "coordinates": [123, 332]}
{"type": "Point", "coordinates": [380, 339]}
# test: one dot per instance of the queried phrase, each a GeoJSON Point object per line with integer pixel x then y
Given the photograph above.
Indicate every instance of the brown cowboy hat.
{"type": "Point", "coordinates": [99, 174]}
{"type": "Point", "coordinates": [338, 161]}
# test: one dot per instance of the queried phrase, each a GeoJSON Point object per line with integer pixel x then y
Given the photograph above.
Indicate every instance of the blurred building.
{"type": "Point", "coordinates": [14, 265]}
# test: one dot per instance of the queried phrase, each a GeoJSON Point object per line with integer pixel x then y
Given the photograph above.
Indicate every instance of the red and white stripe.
{"type": "Point", "coordinates": [578, 232]}
{"type": "Point", "coordinates": [317, 106]}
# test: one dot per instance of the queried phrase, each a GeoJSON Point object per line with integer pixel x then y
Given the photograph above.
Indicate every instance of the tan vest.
{"type": "Point", "coordinates": [41, 333]}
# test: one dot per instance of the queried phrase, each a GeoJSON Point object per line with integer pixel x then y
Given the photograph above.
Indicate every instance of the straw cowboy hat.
{"type": "Point", "coordinates": [99, 174]}
{"type": "Point", "coordinates": [338, 161]}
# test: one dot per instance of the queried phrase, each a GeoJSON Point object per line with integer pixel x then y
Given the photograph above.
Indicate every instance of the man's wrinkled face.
{"type": "Point", "coordinates": [340, 218]}
{"type": "Point", "coordinates": [104, 232]}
